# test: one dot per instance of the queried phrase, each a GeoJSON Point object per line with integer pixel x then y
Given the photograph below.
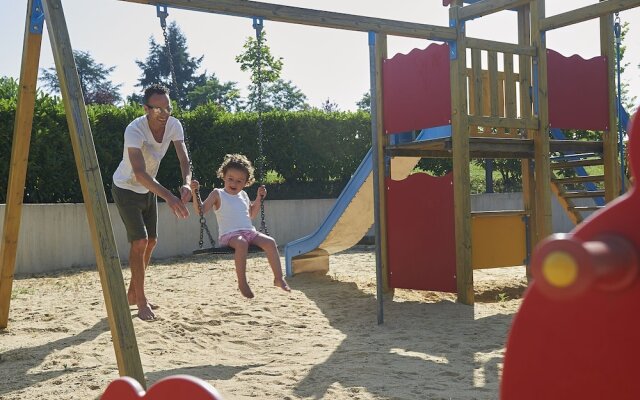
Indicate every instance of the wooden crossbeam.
{"type": "Point", "coordinates": [500, 47]}
{"type": "Point", "coordinates": [499, 122]}
{"type": "Point", "coordinates": [586, 13]}
{"type": "Point", "coordinates": [307, 16]}
{"type": "Point", "coordinates": [487, 7]}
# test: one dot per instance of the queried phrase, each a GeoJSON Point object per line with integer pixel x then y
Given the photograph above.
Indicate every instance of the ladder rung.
{"type": "Point", "coordinates": [576, 163]}
{"type": "Point", "coordinates": [574, 156]}
{"type": "Point", "coordinates": [583, 194]}
{"type": "Point", "coordinates": [586, 208]}
{"type": "Point", "coordinates": [579, 179]}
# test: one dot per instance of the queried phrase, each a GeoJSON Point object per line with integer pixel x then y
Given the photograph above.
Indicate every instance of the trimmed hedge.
{"type": "Point", "coordinates": [315, 152]}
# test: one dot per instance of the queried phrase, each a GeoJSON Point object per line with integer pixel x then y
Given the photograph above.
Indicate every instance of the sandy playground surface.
{"type": "Point", "coordinates": [319, 342]}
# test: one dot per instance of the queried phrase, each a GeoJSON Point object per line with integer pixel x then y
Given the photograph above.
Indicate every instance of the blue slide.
{"type": "Point", "coordinates": [351, 216]}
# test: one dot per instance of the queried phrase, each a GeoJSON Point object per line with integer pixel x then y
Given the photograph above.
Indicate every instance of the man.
{"type": "Point", "coordinates": [135, 188]}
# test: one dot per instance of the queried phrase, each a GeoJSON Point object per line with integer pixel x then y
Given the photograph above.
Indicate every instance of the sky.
{"type": "Point", "coordinates": [324, 63]}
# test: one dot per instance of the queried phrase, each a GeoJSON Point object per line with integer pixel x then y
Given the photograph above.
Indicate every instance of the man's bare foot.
{"type": "Point", "coordinates": [282, 284]}
{"type": "Point", "coordinates": [145, 313]}
{"type": "Point", "coordinates": [245, 290]}
{"type": "Point", "coordinates": [132, 302]}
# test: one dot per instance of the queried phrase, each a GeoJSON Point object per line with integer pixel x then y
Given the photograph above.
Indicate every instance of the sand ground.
{"type": "Point", "coordinates": [319, 342]}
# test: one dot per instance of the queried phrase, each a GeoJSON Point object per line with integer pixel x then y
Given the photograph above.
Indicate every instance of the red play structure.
{"type": "Point", "coordinates": [416, 96]}
{"type": "Point", "coordinates": [576, 334]}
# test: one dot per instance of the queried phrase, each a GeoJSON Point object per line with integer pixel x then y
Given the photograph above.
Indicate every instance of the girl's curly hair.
{"type": "Point", "coordinates": [239, 162]}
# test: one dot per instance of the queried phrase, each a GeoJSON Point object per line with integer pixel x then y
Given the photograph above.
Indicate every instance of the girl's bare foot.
{"type": "Point", "coordinates": [245, 290]}
{"type": "Point", "coordinates": [282, 284]}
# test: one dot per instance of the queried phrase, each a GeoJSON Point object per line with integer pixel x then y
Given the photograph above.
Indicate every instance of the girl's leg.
{"type": "Point", "coordinates": [268, 244]}
{"type": "Point", "coordinates": [241, 247]}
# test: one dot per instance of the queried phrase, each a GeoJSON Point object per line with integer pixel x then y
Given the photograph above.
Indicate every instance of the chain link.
{"type": "Point", "coordinates": [203, 221]}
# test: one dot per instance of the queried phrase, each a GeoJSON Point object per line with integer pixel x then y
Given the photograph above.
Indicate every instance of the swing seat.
{"type": "Point", "coordinates": [225, 250]}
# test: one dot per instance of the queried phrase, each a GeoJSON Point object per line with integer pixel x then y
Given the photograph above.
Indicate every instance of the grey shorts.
{"type": "Point", "coordinates": [139, 212]}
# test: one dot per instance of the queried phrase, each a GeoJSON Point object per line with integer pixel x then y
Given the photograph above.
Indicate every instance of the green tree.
{"type": "Point", "coordinates": [156, 68]}
{"type": "Point", "coordinates": [330, 106]}
{"type": "Point", "coordinates": [226, 95]}
{"type": "Point", "coordinates": [364, 103]}
{"type": "Point", "coordinates": [8, 88]}
{"type": "Point", "coordinates": [628, 102]}
{"type": "Point", "coordinates": [265, 70]}
{"type": "Point", "coordinates": [284, 95]}
{"type": "Point", "coordinates": [94, 80]}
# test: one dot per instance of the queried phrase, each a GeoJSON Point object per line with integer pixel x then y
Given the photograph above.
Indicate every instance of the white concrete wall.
{"type": "Point", "coordinates": [56, 236]}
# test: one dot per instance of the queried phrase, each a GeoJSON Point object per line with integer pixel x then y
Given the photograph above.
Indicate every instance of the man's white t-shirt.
{"type": "Point", "coordinates": [233, 214]}
{"type": "Point", "coordinates": [138, 135]}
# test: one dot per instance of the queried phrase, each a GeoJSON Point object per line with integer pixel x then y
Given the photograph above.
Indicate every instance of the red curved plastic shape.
{"type": "Point", "coordinates": [578, 92]}
{"type": "Point", "coordinates": [178, 387]}
{"type": "Point", "coordinates": [417, 90]}
{"type": "Point", "coordinates": [585, 347]}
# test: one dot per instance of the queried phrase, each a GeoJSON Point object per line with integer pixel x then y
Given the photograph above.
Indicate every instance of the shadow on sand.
{"type": "Point", "coordinates": [423, 350]}
{"type": "Point", "coordinates": [16, 364]}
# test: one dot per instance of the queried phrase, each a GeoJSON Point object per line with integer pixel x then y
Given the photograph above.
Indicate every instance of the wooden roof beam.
{"type": "Point", "coordinates": [586, 13]}
{"type": "Point", "coordinates": [307, 16]}
{"type": "Point", "coordinates": [486, 7]}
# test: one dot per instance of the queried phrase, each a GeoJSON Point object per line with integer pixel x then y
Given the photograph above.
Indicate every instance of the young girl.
{"type": "Point", "coordinates": [234, 212]}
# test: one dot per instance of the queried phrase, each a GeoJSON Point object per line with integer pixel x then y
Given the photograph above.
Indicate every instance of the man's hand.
{"type": "Point", "coordinates": [185, 193]}
{"type": "Point", "coordinates": [177, 207]}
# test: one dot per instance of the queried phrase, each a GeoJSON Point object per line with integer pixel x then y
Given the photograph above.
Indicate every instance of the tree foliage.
{"type": "Point", "coordinates": [193, 88]}
{"type": "Point", "coordinates": [364, 103]}
{"type": "Point", "coordinates": [314, 152]}
{"type": "Point", "coordinates": [226, 95]}
{"type": "Point", "coordinates": [156, 67]}
{"type": "Point", "coordinates": [265, 71]}
{"type": "Point", "coordinates": [94, 80]}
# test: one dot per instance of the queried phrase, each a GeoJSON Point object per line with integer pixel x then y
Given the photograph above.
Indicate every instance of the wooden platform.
{"type": "Point", "coordinates": [486, 147]}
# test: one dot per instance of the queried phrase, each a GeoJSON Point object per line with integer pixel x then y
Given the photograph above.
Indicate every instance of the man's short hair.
{"type": "Point", "coordinates": [156, 88]}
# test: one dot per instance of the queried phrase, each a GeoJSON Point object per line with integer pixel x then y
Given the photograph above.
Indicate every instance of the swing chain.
{"type": "Point", "coordinates": [258, 24]}
{"type": "Point", "coordinates": [162, 14]}
{"type": "Point", "coordinates": [617, 28]}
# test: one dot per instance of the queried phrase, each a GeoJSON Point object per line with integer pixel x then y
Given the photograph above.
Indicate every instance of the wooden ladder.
{"type": "Point", "coordinates": [570, 188]}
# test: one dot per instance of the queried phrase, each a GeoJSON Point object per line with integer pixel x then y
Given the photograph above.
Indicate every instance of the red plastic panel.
{"type": "Point", "coordinates": [177, 387]}
{"type": "Point", "coordinates": [417, 90]}
{"type": "Point", "coordinates": [421, 238]}
{"type": "Point", "coordinates": [582, 347]}
{"type": "Point", "coordinates": [578, 92]}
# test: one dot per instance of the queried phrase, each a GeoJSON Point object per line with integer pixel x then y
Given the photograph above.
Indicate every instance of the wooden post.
{"type": "Point", "coordinates": [19, 159]}
{"type": "Point", "coordinates": [461, 159]}
{"type": "Point", "coordinates": [541, 138]}
{"type": "Point", "coordinates": [377, 54]}
{"type": "Point", "coordinates": [612, 181]}
{"type": "Point", "coordinates": [124, 339]}
{"type": "Point", "coordinates": [528, 180]}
